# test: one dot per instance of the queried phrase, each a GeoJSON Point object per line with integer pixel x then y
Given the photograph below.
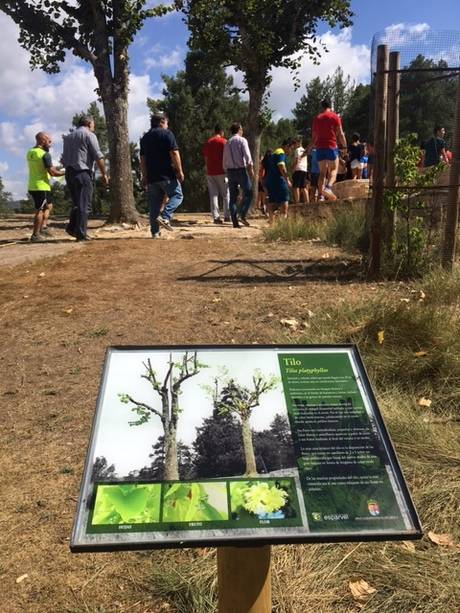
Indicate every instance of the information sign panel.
{"type": "Point", "coordinates": [215, 445]}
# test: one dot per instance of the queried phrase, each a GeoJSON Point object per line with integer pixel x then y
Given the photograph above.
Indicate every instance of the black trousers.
{"type": "Point", "coordinates": [81, 190]}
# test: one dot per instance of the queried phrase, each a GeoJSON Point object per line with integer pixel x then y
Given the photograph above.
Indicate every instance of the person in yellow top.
{"type": "Point", "coordinates": [40, 169]}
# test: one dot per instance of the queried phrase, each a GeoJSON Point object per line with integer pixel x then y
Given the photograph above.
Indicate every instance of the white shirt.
{"type": "Point", "coordinates": [236, 153]}
{"type": "Point", "coordinates": [301, 163]}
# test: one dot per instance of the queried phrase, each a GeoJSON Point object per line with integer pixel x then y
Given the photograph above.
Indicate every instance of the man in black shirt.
{"type": "Point", "coordinates": [435, 148]}
{"type": "Point", "coordinates": [161, 172]}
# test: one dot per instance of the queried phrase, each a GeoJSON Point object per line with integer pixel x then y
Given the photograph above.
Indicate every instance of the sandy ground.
{"type": "Point", "coordinates": [62, 304]}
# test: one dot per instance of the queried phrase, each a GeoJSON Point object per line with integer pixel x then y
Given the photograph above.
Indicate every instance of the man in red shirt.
{"type": "Point", "coordinates": [213, 152]}
{"type": "Point", "coordinates": [327, 132]}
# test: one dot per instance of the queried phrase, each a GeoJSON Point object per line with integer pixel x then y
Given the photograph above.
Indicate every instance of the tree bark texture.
{"type": "Point", "coordinates": [249, 456]}
{"type": "Point", "coordinates": [114, 94]}
{"type": "Point", "coordinates": [254, 133]}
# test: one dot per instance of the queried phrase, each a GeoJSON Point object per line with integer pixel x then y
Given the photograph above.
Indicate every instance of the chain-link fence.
{"type": "Point", "coordinates": [416, 127]}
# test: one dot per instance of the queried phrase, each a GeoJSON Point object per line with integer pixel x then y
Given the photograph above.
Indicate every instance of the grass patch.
{"type": "Point", "coordinates": [315, 577]}
{"type": "Point", "coordinates": [345, 229]}
{"type": "Point", "coordinates": [294, 229]}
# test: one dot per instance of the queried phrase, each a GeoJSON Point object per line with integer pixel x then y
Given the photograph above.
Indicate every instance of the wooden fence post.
{"type": "Point", "coordinates": [394, 92]}
{"type": "Point", "coordinates": [380, 121]}
{"type": "Point", "coordinates": [451, 225]}
{"type": "Point", "coordinates": [244, 579]}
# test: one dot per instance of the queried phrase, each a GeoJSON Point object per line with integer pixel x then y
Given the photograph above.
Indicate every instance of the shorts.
{"type": "Point", "coordinates": [314, 176]}
{"type": "Point", "coordinates": [327, 154]}
{"type": "Point", "coordinates": [299, 179]}
{"type": "Point", "coordinates": [42, 200]}
{"type": "Point", "coordinates": [357, 164]}
{"type": "Point", "coordinates": [279, 193]}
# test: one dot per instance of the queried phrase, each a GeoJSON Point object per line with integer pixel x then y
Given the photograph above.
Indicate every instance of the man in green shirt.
{"type": "Point", "coordinates": [40, 169]}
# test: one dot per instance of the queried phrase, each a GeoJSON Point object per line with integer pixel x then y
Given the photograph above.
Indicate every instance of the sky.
{"type": "Point", "coordinates": [31, 101]}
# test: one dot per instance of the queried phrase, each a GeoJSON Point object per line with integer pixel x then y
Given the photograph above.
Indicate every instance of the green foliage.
{"type": "Point", "coordinates": [408, 251]}
{"type": "Point", "coordinates": [240, 400]}
{"type": "Point", "coordinates": [48, 29]}
{"type": "Point", "coordinates": [5, 198]}
{"type": "Point", "coordinates": [351, 101]}
{"type": "Point", "coordinates": [186, 502]}
{"type": "Point", "coordinates": [425, 102]}
{"type": "Point", "coordinates": [258, 35]}
{"type": "Point", "coordinates": [127, 503]}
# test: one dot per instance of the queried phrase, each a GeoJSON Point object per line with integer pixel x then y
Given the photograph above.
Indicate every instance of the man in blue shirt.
{"type": "Point", "coordinates": [161, 173]}
{"type": "Point", "coordinates": [435, 148]}
{"type": "Point", "coordinates": [278, 182]}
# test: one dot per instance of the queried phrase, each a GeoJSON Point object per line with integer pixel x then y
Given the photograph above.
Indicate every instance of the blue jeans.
{"type": "Point", "coordinates": [238, 177]}
{"type": "Point", "coordinates": [155, 194]}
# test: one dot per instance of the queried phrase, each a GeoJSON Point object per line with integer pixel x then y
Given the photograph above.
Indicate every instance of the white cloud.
{"type": "Point", "coordinates": [399, 34]}
{"type": "Point", "coordinates": [4, 167]}
{"type": "Point", "coordinates": [171, 59]}
{"type": "Point", "coordinates": [31, 101]}
{"type": "Point", "coordinates": [354, 59]}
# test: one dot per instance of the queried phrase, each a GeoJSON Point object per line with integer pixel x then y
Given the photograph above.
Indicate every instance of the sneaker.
{"type": "Point", "coordinates": [165, 223]}
{"type": "Point", "coordinates": [218, 220]}
{"type": "Point", "coordinates": [46, 232]}
{"type": "Point", "coordinates": [156, 235]}
{"type": "Point", "coordinates": [36, 238]}
{"type": "Point", "coordinates": [244, 221]}
{"type": "Point", "coordinates": [84, 238]}
{"type": "Point", "coordinates": [329, 194]}
{"type": "Point", "coordinates": [70, 232]}
{"type": "Point", "coordinates": [322, 199]}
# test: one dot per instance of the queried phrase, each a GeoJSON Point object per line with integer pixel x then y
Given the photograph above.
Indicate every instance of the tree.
{"type": "Point", "coordinates": [240, 400]}
{"type": "Point", "coordinates": [156, 470]}
{"type": "Point", "coordinates": [257, 36]}
{"type": "Point", "coordinates": [5, 199]}
{"type": "Point", "coordinates": [99, 32]}
{"type": "Point", "coordinates": [195, 100]}
{"type": "Point", "coordinates": [338, 88]}
{"type": "Point", "coordinates": [425, 102]}
{"type": "Point", "coordinates": [102, 471]}
{"type": "Point", "coordinates": [218, 447]}
{"type": "Point", "coordinates": [357, 114]}
{"type": "Point", "coordinates": [169, 391]}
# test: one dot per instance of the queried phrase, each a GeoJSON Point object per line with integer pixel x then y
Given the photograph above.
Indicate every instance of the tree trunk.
{"type": "Point", "coordinates": [122, 208]}
{"type": "Point", "coordinates": [171, 464]}
{"type": "Point", "coordinates": [250, 459]}
{"type": "Point", "coordinates": [254, 132]}
{"type": "Point", "coordinates": [113, 90]}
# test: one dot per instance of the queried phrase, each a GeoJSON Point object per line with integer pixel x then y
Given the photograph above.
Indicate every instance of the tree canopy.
{"type": "Point", "coordinates": [99, 32]}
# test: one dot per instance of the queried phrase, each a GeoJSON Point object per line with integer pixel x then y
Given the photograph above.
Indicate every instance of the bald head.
{"type": "Point", "coordinates": [43, 139]}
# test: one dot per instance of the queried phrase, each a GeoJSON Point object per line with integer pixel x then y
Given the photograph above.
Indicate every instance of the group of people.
{"type": "Point", "coordinates": [81, 150]}
{"type": "Point", "coordinates": [229, 171]}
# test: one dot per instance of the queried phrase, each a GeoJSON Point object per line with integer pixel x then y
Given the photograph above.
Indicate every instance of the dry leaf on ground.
{"type": "Point", "coordinates": [42, 274]}
{"type": "Point", "coordinates": [21, 578]}
{"type": "Point", "coordinates": [424, 402]}
{"type": "Point", "coordinates": [404, 300]}
{"type": "Point", "coordinates": [444, 540]}
{"type": "Point", "coordinates": [408, 546]}
{"type": "Point", "coordinates": [361, 590]}
{"type": "Point", "coordinates": [68, 311]}
{"type": "Point", "coordinates": [420, 354]}
{"type": "Point", "coordinates": [290, 323]}
{"type": "Point", "coordinates": [380, 337]}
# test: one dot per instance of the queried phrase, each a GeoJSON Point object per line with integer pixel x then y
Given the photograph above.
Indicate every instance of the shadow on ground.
{"type": "Point", "coordinates": [341, 270]}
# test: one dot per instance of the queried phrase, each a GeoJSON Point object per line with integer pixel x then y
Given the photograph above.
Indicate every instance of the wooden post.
{"type": "Point", "coordinates": [394, 91]}
{"type": "Point", "coordinates": [380, 121]}
{"type": "Point", "coordinates": [453, 201]}
{"type": "Point", "coordinates": [244, 579]}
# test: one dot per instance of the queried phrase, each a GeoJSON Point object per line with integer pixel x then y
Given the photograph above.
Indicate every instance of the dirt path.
{"type": "Point", "coordinates": [58, 315]}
